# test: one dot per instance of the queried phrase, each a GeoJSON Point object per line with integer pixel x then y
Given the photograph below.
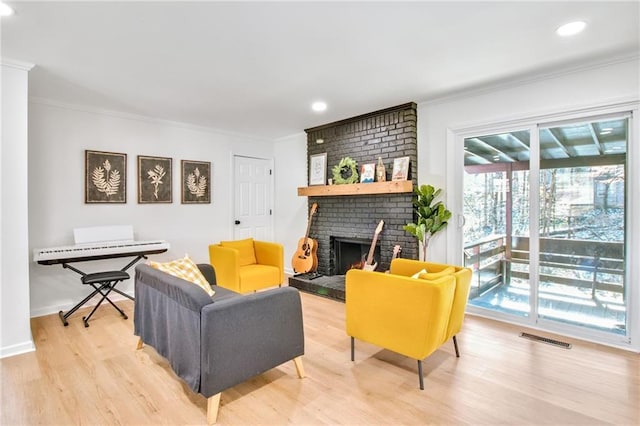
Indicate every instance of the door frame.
{"type": "Point", "coordinates": [455, 181]}
{"type": "Point", "coordinates": [233, 191]}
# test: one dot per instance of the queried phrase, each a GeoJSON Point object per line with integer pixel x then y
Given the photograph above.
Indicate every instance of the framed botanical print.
{"type": "Point", "coordinates": [196, 182]}
{"type": "Point", "coordinates": [154, 179]}
{"type": "Point", "coordinates": [105, 177]}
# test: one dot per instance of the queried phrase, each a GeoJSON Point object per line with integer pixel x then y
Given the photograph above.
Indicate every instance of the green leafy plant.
{"type": "Point", "coordinates": [431, 216]}
{"type": "Point", "coordinates": [346, 171]}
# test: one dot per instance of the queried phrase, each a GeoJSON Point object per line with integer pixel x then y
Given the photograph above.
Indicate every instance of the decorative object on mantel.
{"type": "Point", "coordinates": [400, 168]}
{"type": "Point", "coordinates": [318, 169]}
{"type": "Point", "coordinates": [346, 171]}
{"type": "Point", "coordinates": [367, 172]}
{"type": "Point", "coordinates": [381, 171]}
{"type": "Point", "coordinates": [105, 177]}
{"type": "Point", "coordinates": [431, 219]}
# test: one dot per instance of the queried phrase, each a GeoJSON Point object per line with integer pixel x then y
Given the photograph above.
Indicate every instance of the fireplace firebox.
{"type": "Point", "coordinates": [349, 253]}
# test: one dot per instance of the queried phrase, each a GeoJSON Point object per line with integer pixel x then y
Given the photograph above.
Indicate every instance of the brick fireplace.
{"type": "Point", "coordinates": [388, 134]}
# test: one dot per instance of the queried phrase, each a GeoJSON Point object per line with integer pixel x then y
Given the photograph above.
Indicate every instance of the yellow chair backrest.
{"type": "Point", "coordinates": [247, 265]}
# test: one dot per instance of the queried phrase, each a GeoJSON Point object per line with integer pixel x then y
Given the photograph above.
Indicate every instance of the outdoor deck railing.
{"type": "Point", "coordinates": [597, 265]}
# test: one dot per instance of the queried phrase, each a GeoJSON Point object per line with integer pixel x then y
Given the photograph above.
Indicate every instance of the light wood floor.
{"type": "Point", "coordinates": [95, 376]}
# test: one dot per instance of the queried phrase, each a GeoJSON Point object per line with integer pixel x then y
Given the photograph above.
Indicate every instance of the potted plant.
{"type": "Point", "coordinates": [431, 217]}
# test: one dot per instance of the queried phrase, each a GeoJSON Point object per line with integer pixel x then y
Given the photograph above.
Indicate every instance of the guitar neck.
{"type": "Point", "coordinates": [313, 211]}
{"type": "Point", "coordinates": [372, 250]}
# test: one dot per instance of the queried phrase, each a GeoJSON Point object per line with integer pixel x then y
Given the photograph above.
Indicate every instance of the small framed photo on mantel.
{"type": "Point", "coordinates": [318, 169]}
{"type": "Point", "coordinates": [367, 172]}
{"type": "Point", "coordinates": [400, 168]}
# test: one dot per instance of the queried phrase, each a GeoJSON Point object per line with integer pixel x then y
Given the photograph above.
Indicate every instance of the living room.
{"type": "Point", "coordinates": [43, 173]}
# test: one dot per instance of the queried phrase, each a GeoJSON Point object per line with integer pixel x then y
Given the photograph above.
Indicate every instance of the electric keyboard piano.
{"type": "Point", "coordinates": [99, 243]}
{"type": "Point", "coordinates": [98, 251]}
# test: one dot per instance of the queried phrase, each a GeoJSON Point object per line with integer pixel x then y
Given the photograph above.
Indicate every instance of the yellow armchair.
{"type": "Point", "coordinates": [247, 265]}
{"type": "Point", "coordinates": [410, 316]}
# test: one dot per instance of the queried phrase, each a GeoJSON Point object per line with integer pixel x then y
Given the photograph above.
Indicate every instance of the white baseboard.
{"type": "Point", "coordinates": [54, 309]}
{"type": "Point", "coordinates": [17, 349]}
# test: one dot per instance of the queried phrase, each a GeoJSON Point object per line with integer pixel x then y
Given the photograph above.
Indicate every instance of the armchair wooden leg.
{"type": "Point", "coordinates": [420, 375]}
{"type": "Point", "coordinates": [353, 348]}
{"type": "Point", "coordinates": [140, 343]}
{"type": "Point", "coordinates": [213, 403]}
{"type": "Point", "coordinates": [455, 345]}
{"type": "Point", "coordinates": [299, 367]}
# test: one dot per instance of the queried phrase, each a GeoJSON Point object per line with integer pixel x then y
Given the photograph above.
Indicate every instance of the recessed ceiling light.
{"type": "Point", "coordinates": [571, 28]}
{"type": "Point", "coordinates": [5, 10]}
{"type": "Point", "coordinates": [319, 106]}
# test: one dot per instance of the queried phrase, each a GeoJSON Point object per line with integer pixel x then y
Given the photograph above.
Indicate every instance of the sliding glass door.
{"type": "Point", "coordinates": [496, 211]}
{"type": "Point", "coordinates": [567, 266]}
{"type": "Point", "coordinates": [581, 279]}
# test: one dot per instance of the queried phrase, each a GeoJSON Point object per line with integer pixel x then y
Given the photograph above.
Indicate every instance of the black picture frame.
{"type": "Point", "coordinates": [155, 180]}
{"type": "Point", "coordinates": [196, 182]}
{"type": "Point", "coordinates": [105, 177]}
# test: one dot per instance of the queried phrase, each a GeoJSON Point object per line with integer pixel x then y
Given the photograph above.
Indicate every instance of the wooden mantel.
{"type": "Point", "coordinates": [392, 187]}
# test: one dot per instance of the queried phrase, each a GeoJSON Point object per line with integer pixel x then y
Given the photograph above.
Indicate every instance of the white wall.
{"type": "Point", "coordinates": [613, 85]}
{"type": "Point", "coordinates": [438, 120]}
{"type": "Point", "coordinates": [15, 330]}
{"type": "Point", "coordinates": [58, 137]}
{"type": "Point", "coordinates": [291, 210]}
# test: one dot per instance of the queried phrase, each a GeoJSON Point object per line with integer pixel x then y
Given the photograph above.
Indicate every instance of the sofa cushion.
{"type": "Point", "coordinates": [434, 275]}
{"type": "Point", "coordinates": [186, 269]}
{"type": "Point", "coordinates": [255, 277]}
{"type": "Point", "coordinates": [223, 293]}
{"type": "Point", "coordinates": [247, 254]}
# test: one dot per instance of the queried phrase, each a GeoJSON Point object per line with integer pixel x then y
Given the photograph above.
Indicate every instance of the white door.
{"type": "Point", "coordinates": [253, 198]}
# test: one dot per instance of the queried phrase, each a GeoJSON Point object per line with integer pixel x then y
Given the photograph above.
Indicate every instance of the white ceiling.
{"type": "Point", "coordinates": [255, 68]}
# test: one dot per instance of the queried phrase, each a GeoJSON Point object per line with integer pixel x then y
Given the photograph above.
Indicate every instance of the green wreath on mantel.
{"type": "Point", "coordinates": [346, 171]}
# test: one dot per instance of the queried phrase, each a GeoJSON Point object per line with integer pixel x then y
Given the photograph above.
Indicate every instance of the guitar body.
{"type": "Point", "coordinates": [367, 267]}
{"type": "Point", "coordinates": [305, 259]}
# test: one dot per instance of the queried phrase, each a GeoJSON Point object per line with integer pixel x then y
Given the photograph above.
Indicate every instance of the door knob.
{"type": "Point", "coordinates": [237, 222]}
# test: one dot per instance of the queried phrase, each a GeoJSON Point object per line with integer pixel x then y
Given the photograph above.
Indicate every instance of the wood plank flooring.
{"type": "Point", "coordinates": [95, 376]}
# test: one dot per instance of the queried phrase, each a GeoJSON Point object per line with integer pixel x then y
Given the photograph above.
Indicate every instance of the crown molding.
{"type": "Point", "coordinates": [147, 119]}
{"type": "Point", "coordinates": [19, 65]}
{"type": "Point", "coordinates": [533, 77]}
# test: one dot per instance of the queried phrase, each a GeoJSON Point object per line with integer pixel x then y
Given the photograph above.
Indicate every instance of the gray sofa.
{"type": "Point", "coordinates": [214, 343]}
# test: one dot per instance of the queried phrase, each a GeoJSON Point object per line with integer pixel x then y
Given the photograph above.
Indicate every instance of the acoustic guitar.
{"type": "Point", "coordinates": [369, 264]}
{"type": "Point", "coordinates": [305, 259]}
